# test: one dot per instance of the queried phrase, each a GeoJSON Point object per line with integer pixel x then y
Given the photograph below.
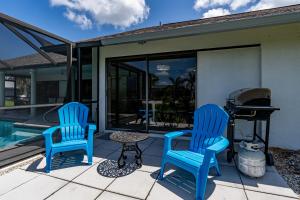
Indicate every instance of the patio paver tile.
{"type": "Point", "coordinates": [92, 178]}
{"type": "Point", "coordinates": [271, 183]}
{"type": "Point", "coordinates": [172, 189]}
{"type": "Point", "coordinates": [14, 179]}
{"type": "Point", "coordinates": [158, 142]}
{"type": "Point", "coordinates": [154, 150]}
{"type": "Point", "coordinates": [177, 184]}
{"type": "Point", "coordinates": [150, 163]}
{"type": "Point", "coordinates": [106, 144]}
{"type": "Point", "coordinates": [263, 196]}
{"type": "Point", "coordinates": [69, 173]}
{"type": "Point", "coordinates": [113, 196]}
{"type": "Point", "coordinates": [102, 153]}
{"type": "Point", "coordinates": [137, 184]}
{"type": "Point", "coordinates": [146, 143]}
{"type": "Point", "coordinates": [180, 185]}
{"type": "Point", "coordinates": [65, 167]}
{"type": "Point", "coordinates": [36, 189]}
{"type": "Point", "coordinates": [230, 177]}
{"type": "Point", "coordinates": [74, 191]}
{"type": "Point", "coordinates": [221, 192]}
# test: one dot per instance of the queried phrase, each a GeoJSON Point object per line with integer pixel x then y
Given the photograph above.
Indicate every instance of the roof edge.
{"type": "Point", "coordinates": [205, 29]}
{"type": "Point", "coordinates": [239, 21]}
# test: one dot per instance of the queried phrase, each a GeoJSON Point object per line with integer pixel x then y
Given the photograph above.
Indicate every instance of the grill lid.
{"type": "Point", "coordinates": [246, 95]}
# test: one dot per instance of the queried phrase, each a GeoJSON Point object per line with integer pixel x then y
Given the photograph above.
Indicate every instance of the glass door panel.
{"type": "Point", "coordinates": [126, 95]}
{"type": "Point", "coordinates": [171, 93]}
{"type": "Point", "coordinates": [88, 80]}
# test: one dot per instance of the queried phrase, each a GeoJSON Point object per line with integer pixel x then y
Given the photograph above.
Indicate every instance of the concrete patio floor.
{"type": "Point", "coordinates": [71, 178]}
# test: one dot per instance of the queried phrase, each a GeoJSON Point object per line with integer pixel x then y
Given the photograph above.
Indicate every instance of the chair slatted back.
{"type": "Point", "coordinates": [73, 121]}
{"type": "Point", "coordinates": [210, 121]}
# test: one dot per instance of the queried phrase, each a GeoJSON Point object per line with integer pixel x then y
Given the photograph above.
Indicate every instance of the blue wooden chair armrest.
{"type": "Point", "coordinates": [51, 130]}
{"type": "Point", "coordinates": [219, 146]}
{"type": "Point", "coordinates": [170, 136]}
{"type": "Point", "coordinates": [48, 135]}
{"type": "Point", "coordinates": [175, 134]}
{"type": "Point", "coordinates": [92, 127]}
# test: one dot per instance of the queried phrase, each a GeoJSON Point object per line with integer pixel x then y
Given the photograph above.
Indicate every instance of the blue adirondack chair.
{"type": "Point", "coordinates": [209, 123]}
{"type": "Point", "coordinates": [73, 124]}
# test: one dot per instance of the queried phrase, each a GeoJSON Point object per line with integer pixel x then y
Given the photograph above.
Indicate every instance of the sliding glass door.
{"type": "Point", "coordinates": [151, 93]}
{"type": "Point", "coordinates": [126, 95]}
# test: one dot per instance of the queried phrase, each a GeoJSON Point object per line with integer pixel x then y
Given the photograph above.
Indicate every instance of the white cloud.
{"type": "Point", "coordinates": [236, 4]}
{"type": "Point", "coordinates": [265, 4]}
{"type": "Point", "coordinates": [233, 4]}
{"type": "Point", "coordinates": [200, 4]}
{"type": "Point", "coordinates": [80, 19]}
{"type": "Point", "coordinates": [216, 12]}
{"type": "Point", "coordinates": [224, 7]}
{"type": "Point", "coordinates": [119, 13]}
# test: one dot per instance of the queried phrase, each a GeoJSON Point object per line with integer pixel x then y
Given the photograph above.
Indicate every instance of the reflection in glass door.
{"type": "Point", "coordinates": [170, 102]}
{"type": "Point", "coordinates": [126, 95]}
{"type": "Point", "coordinates": [171, 93]}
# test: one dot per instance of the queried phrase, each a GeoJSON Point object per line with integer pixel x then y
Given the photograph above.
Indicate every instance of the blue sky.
{"type": "Point", "coordinates": [82, 19]}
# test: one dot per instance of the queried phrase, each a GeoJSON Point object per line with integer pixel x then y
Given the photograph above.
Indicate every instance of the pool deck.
{"type": "Point", "coordinates": [72, 178]}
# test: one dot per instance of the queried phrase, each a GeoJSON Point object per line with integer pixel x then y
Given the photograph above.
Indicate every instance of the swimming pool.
{"type": "Point", "coordinates": [11, 135]}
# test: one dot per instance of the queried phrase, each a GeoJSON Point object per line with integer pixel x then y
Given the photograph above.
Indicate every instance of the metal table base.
{"type": "Point", "coordinates": [130, 147]}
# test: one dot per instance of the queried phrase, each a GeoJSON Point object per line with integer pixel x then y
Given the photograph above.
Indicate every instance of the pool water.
{"type": "Point", "coordinates": [11, 135]}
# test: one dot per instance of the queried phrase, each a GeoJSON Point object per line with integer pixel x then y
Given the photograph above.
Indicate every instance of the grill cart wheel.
{"type": "Point", "coordinates": [229, 156]}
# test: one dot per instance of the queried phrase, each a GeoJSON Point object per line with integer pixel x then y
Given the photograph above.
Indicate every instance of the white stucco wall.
{"type": "Point", "coordinates": [281, 73]}
{"type": "Point", "coordinates": [279, 65]}
{"type": "Point", "coordinates": [219, 73]}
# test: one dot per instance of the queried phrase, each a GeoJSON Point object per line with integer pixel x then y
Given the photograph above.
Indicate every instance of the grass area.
{"type": "Point", "coordinates": [9, 103]}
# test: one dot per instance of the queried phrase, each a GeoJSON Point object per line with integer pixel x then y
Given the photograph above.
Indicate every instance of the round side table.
{"type": "Point", "coordinates": [129, 141]}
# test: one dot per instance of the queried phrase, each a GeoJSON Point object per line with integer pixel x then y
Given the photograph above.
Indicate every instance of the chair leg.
{"type": "Point", "coordinates": [217, 168]}
{"type": "Point", "coordinates": [200, 187]}
{"type": "Point", "coordinates": [162, 169]}
{"type": "Point", "coordinates": [90, 157]}
{"type": "Point", "coordinates": [48, 163]}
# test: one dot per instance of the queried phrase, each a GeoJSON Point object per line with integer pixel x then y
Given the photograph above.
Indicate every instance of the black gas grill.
{"type": "Point", "coordinates": [252, 104]}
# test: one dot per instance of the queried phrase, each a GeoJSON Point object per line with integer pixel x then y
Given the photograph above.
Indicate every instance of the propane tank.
{"type": "Point", "coordinates": [251, 160]}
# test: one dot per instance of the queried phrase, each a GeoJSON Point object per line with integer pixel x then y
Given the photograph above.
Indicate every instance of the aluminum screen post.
{"type": "Point", "coordinates": [69, 92]}
{"type": "Point", "coordinates": [2, 89]}
{"type": "Point", "coordinates": [32, 91]}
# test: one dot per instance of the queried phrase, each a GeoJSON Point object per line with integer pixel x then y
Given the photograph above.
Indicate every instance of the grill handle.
{"type": "Point", "coordinates": [253, 114]}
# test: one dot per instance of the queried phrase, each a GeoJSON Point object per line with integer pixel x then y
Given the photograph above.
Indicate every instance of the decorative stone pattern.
{"type": "Point", "coordinates": [287, 163]}
{"type": "Point", "coordinates": [110, 168]}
